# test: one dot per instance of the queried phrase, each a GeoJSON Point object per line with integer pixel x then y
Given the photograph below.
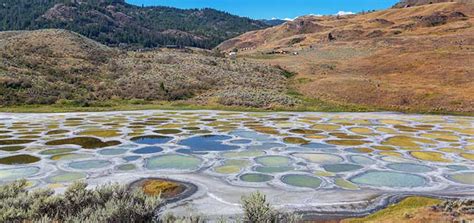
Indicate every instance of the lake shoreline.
{"type": "Point", "coordinates": [190, 106]}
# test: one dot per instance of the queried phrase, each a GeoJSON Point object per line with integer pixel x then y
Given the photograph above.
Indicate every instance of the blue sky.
{"type": "Point", "coordinates": [267, 9]}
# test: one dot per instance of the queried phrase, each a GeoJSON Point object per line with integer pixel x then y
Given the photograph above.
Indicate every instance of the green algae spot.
{"type": "Point", "coordinates": [305, 131]}
{"type": "Point", "coordinates": [15, 142]}
{"type": "Point", "coordinates": [326, 127]}
{"type": "Point", "coordinates": [430, 156]}
{"type": "Point", "coordinates": [273, 169]}
{"type": "Point", "coordinates": [19, 159]}
{"type": "Point", "coordinates": [390, 153]}
{"type": "Point", "coordinates": [451, 150]}
{"type": "Point", "coordinates": [361, 130]}
{"type": "Point", "coordinates": [256, 177]}
{"type": "Point", "coordinates": [100, 133]}
{"type": "Point", "coordinates": [360, 150]}
{"type": "Point", "coordinates": [295, 140]}
{"type": "Point", "coordinates": [345, 184]}
{"type": "Point", "coordinates": [70, 156]}
{"type": "Point", "coordinates": [341, 135]}
{"type": "Point", "coordinates": [407, 142]}
{"type": "Point", "coordinates": [67, 177]}
{"type": "Point", "coordinates": [57, 132]}
{"type": "Point", "coordinates": [324, 173]}
{"type": "Point", "coordinates": [301, 181]}
{"type": "Point", "coordinates": [11, 148]}
{"type": "Point", "coordinates": [386, 130]}
{"type": "Point", "coordinates": [463, 178]}
{"type": "Point", "coordinates": [84, 142]}
{"type": "Point", "coordinates": [57, 151]}
{"type": "Point", "coordinates": [266, 130]}
{"type": "Point", "coordinates": [168, 131]}
{"type": "Point", "coordinates": [347, 142]}
{"type": "Point", "coordinates": [384, 148]}
{"type": "Point", "coordinates": [468, 156]}
{"type": "Point", "coordinates": [126, 167]}
{"type": "Point", "coordinates": [441, 136]}
{"type": "Point", "coordinates": [231, 166]}
{"type": "Point", "coordinates": [392, 122]}
{"type": "Point", "coordinates": [273, 161]}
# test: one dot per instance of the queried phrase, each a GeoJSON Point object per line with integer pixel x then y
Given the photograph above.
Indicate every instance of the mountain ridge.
{"type": "Point", "coordinates": [115, 22]}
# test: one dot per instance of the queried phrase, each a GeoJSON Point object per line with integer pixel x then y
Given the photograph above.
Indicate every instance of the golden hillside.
{"type": "Point", "coordinates": [415, 58]}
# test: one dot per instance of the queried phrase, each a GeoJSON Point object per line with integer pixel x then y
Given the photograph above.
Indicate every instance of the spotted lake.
{"type": "Point", "coordinates": [329, 162]}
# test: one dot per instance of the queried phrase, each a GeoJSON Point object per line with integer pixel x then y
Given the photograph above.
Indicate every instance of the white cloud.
{"type": "Point", "coordinates": [344, 13]}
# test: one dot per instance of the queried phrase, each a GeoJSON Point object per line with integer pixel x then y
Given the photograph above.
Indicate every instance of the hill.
{"type": "Point", "coordinates": [58, 66]}
{"type": "Point", "coordinates": [416, 58]}
{"type": "Point", "coordinates": [114, 22]}
{"type": "Point", "coordinates": [273, 22]}
{"type": "Point", "coordinates": [411, 3]}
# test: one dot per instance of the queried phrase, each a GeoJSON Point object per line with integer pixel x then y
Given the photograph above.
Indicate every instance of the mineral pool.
{"type": "Point", "coordinates": [297, 154]}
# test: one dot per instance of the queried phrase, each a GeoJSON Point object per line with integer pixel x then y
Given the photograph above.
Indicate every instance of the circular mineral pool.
{"type": "Point", "coordinates": [57, 151]}
{"type": "Point", "coordinates": [148, 150]}
{"type": "Point", "coordinates": [126, 167]}
{"type": "Point", "coordinates": [274, 161]}
{"type": "Point", "coordinates": [297, 180]}
{"type": "Point", "coordinates": [463, 178]}
{"type": "Point", "coordinates": [255, 177]}
{"type": "Point", "coordinates": [266, 146]}
{"type": "Point", "coordinates": [208, 143]}
{"type": "Point", "coordinates": [18, 173]}
{"type": "Point", "coordinates": [273, 169]}
{"type": "Point", "coordinates": [171, 161]}
{"type": "Point", "coordinates": [320, 158]}
{"type": "Point", "coordinates": [131, 158]}
{"type": "Point", "coordinates": [112, 152]}
{"type": "Point", "coordinates": [318, 146]}
{"type": "Point", "coordinates": [251, 135]}
{"type": "Point", "coordinates": [410, 167]}
{"type": "Point", "coordinates": [457, 167]}
{"type": "Point", "coordinates": [361, 160]}
{"type": "Point", "coordinates": [389, 179]}
{"type": "Point", "coordinates": [151, 139]}
{"type": "Point", "coordinates": [89, 164]}
{"type": "Point", "coordinates": [241, 141]}
{"type": "Point", "coordinates": [66, 177]}
{"type": "Point", "coordinates": [70, 156]}
{"type": "Point", "coordinates": [168, 131]}
{"type": "Point", "coordinates": [343, 167]}
{"type": "Point", "coordinates": [19, 159]}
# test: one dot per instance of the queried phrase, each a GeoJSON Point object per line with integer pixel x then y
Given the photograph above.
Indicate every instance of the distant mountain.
{"type": "Point", "coordinates": [273, 22]}
{"type": "Point", "coordinates": [114, 22]}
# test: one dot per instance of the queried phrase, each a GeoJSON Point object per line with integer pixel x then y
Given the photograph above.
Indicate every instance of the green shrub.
{"type": "Point", "coordinates": [109, 203]}
{"type": "Point", "coordinates": [112, 203]}
{"type": "Point", "coordinates": [258, 210]}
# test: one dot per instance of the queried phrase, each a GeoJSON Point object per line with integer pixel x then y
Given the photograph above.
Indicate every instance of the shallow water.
{"type": "Point", "coordinates": [288, 151]}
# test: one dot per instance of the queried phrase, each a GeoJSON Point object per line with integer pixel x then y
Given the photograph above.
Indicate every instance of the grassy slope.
{"type": "Point", "coordinates": [413, 206]}
{"type": "Point", "coordinates": [309, 105]}
{"type": "Point", "coordinates": [422, 68]}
